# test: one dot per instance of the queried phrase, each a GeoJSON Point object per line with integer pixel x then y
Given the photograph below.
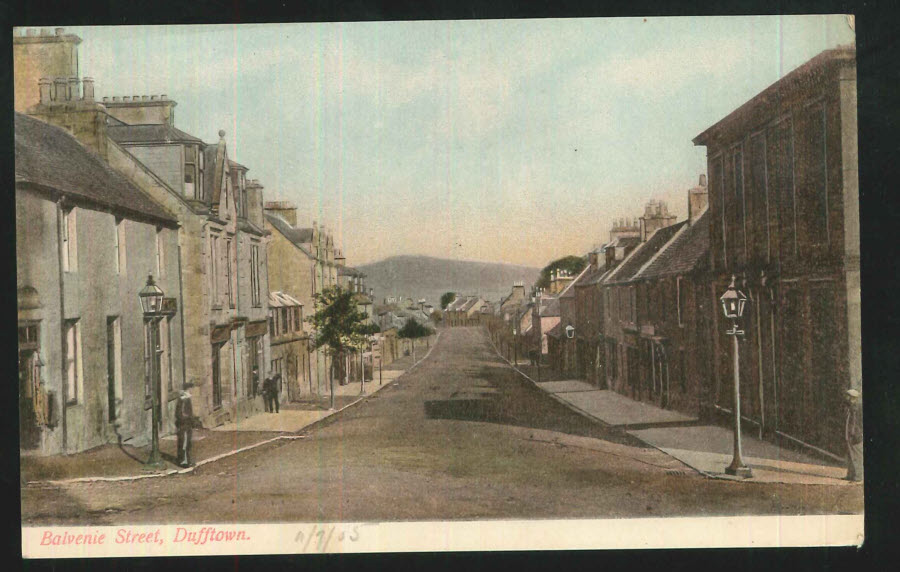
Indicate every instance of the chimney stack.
{"type": "Point", "coordinates": [698, 199]}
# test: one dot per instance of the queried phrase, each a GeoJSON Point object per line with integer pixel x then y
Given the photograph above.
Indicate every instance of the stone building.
{"type": "Point", "coordinates": [621, 329]}
{"type": "Point", "coordinates": [86, 241]}
{"type": "Point", "coordinates": [307, 264]}
{"type": "Point", "coordinates": [221, 254]}
{"type": "Point", "coordinates": [783, 194]}
{"type": "Point", "coordinates": [290, 347]}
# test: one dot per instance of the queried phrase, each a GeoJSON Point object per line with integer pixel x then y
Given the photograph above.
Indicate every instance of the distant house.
{"type": "Point", "coordinates": [621, 328]}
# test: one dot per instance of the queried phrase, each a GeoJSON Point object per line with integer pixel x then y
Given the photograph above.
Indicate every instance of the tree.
{"type": "Point", "coordinates": [413, 329]}
{"type": "Point", "coordinates": [446, 299]}
{"type": "Point", "coordinates": [436, 316]}
{"type": "Point", "coordinates": [339, 325]}
{"type": "Point", "coordinates": [571, 264]}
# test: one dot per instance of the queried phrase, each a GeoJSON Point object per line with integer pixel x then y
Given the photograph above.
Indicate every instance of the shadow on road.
{"type": "Point", "coordinates": [499, 395]}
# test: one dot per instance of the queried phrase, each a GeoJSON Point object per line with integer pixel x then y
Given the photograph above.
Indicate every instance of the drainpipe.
{"type": "Point", "coordinates": [62, 323]}
{"type": "Point", "coordinates": [181, 313]}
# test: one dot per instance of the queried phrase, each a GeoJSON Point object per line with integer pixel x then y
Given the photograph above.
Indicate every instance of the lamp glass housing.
{"type": "Point", "coordinates": [151, 297]}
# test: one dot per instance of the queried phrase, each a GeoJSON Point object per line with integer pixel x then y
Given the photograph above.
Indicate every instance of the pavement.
{"type": "Point", "coordinates": [126, 462]}
{"type": "Point", "coordinates": [705, 448]}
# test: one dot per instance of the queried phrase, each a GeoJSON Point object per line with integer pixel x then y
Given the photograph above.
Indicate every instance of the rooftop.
{"type": "Point", "coordinates": [151, 133]}
{"type": "Point", "coordinates": [683, 253]}
{"type": "Point", "coordinates": [642, 254]}
{"type": "Point", "coordinates": [52, 158]}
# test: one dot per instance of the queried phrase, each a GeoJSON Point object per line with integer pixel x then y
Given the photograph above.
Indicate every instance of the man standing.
{"type": "Point", "coordinates": [184, 423]}
{"type": "Point", "coordinates": [272, 393]}
{"type": "Point", "coordinates": [853, 434]}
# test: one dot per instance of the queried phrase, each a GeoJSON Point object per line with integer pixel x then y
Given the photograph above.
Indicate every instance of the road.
{"type": "Point", "coordinates": [462, 436]}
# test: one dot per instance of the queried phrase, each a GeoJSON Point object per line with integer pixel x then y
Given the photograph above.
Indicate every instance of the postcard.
{"type": "Point", "coordinates": [438, 285]}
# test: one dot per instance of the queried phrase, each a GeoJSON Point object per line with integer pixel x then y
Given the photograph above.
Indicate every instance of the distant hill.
{"type": "Point", "coordinates": [427, 277]}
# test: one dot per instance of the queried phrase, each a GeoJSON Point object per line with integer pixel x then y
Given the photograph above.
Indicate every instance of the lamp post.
{"type": "Point", "coordinates": [733, 302]}
{"type": "Point", "coordinates": [515, 346]}
{"type": "Point", "coordinates": [151, 297]}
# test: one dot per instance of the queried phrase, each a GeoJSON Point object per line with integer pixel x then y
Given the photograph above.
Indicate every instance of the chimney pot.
{"type": "Point", "coordinates": [145, 98]}
{"type": "Point", "coordinates": [31, 32]}
{"type": "Point", "coordinates": [154, 97]}
{"type": "Point", "coordinates": [60, 89]}
{"type": "Point", "coordinates": [60, 31]}
{"type": "Point", "coordinates": [164, 96]}
{"type": "Point", "coordinates": [105, 98]}
{"type": "Point", "coordinates": [44, 85]}
{"type": "Point", "coordinates": [115, 98]}
{"type": "Point", "coordinates": [136, 98]}
{"type": "Point", "coordinates": [87, 88]}
{"type": "Point", "coordinates": [703, 180]}
{"type": "Point", "coordinates": [45, 32]}
{"type": "Point", "coordinates": [126, 98]}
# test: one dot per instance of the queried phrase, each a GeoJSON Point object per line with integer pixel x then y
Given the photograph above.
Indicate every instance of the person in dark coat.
{"type": "Point", "coordinates": [184, 423]}
{"type": "Point", "coordinates": [853, 434]}
{"type": "Point", "coordinates": [266, 391]}
{"type": "Point", "coordinates": [272, 393]}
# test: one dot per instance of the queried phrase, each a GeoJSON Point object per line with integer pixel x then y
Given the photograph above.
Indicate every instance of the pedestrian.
{"type": "Point", "coordinates": [266, 391]}
{"type": "Point", "coordinates": [184, 424]}
{"type": "Point", "coordinates": [853, 434]}
{"type": "Point", "coordinates": [274, 385]}
{"type": "Point", "coordinates": [254, 379]}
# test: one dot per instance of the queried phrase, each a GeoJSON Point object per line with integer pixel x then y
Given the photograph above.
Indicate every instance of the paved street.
{"type": "Point", "coordinates": [461, 436]}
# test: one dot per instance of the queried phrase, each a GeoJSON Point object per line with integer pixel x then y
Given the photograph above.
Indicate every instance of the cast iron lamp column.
{"type": "Point", "coordinates": [733, 301]}
{"type": "Point", "coordinates": [151, 297]}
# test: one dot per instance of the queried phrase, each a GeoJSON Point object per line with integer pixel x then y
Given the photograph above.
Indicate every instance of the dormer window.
{"type": "Point", "coordinates": [200, 169]}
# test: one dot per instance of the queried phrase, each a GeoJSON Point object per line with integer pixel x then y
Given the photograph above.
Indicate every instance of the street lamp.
{"type": "Point", "coordinates": [151, 297]}
{"type": "Point", "coordinates": [570, 332]}
{"type": "Point", "coordinates": [515, 346]}
{"type": "Point", "coordinates": [733, 302]}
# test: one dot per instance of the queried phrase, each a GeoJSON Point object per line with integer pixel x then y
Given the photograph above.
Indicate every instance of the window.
{"type": "Point", "coordinates": [298, 319]}
{"type": "Point", "coordinates": [758, 198]}
{"type": "Point", "coordinates": [679, 293]}
{"type": "Point", "coordinates": [254, 274]}
{"type": "Point", "coordinates": [190, 169]}
{"type": "Point", "coordinates": [632, 302]}
{"type": "Point", "coordinates": [817, 179]}
{"type": "Point", "coordinates": [73, 361]}
{"type": "Point", "coordinates": [160, 254]}
{"type": "Point", "coordinates": [272, 329]}
{"type": "Point", "coordinates": [285, 324]}
{"type": "Point", "coordinates": [70, 242]}
{"type": "Point", "coordinates": [29, 336]}
{"type": "Point", "coordinates": [200, 193]}
{"type": "Point", "coordinates": [165, 344]}
{"type": "Point", "coordinates": [228, 283]}
{"type": "Point", "coordinates": [214, 268]}
{"type": "Point", "coordinates": [113, 366]}
{"type": "Point", "coordinates": [783, 159]}
{"type": "Point", "coordinates": [717, 196]}
{"type": "Point", "coordinates": [740, 222]}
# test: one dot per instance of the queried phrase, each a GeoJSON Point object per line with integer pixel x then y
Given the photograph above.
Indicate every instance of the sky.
{"type": "Point", "coordinates": [515, 141]}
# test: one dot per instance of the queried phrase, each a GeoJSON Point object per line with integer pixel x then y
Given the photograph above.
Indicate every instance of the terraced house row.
{"type": "Point", "coordinates": [780, 214]}
{"type": "Point", "coordinates": [109, 193]}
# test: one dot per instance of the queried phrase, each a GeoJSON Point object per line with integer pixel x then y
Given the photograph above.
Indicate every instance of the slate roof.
{"type": "Point", "coordinates": [626, 270]}
{"type": "Point", "coordinates": [295, 235]}
{"type": "Point", "coordinates": [153, 133]}
{"type": "Point", "coordinates": [50, 157]}
{"type": "Point", "coordinates": [549, 307]}
{"type": "Point", "coordinates": [683, 253]}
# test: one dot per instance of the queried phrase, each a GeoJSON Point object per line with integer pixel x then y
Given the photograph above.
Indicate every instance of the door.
{"type": "Point", "coordinates": [29, 431]}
